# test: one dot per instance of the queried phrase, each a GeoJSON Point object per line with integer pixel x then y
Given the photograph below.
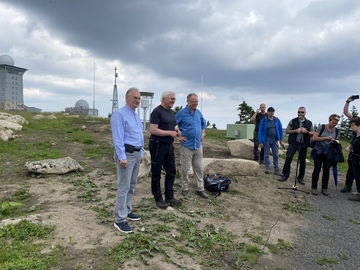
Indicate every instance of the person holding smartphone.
{"type": "Point", "coordinates": [349, 173]}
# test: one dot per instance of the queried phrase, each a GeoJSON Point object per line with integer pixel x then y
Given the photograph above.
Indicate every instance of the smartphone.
{"type": "Point", "coordinates": [355, 97]}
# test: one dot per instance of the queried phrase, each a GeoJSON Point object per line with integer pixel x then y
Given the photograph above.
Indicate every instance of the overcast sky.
{"type": "Point", "coordinates": [286, 54]}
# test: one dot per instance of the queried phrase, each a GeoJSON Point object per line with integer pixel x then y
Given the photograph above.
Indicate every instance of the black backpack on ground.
{"type": "Point", "coordinates": [216, 183]}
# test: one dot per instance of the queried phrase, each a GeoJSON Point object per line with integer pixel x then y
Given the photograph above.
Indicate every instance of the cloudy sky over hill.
{"type": "Point", "coordinates": [284, 53]}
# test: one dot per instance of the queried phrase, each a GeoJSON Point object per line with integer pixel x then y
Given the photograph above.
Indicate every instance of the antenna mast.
{"type": "Point", "coordinates": [114, 100]}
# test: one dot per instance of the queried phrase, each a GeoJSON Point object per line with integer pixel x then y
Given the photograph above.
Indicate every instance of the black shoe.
{"type": "Point", "coordinates": [301, 181]}
{"type": "Point", "coordinates": [283, 178]}
{"type": "Point", "coordinates": [346, 189]}
{"type": "Point", "coordinates": [161, 204]}
{"type": "Point", "coordinates": [123, 227]}
{"type": "Point", "coordinates": [133, 217]}
{"type": "Point", "coordinates": [173, 202]}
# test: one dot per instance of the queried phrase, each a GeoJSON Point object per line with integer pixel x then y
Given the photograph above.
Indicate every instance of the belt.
{"type": "Point", "coordinates": [137, 149]}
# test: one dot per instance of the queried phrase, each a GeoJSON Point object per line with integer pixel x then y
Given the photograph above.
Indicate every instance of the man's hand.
{"type": "Point", "coordinates": [124, 163]}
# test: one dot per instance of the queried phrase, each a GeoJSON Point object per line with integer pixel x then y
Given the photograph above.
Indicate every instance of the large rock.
{"type": "Point", "coordinates": [6, 134]}
{"type": "Point", "coordinates": [8, 124]}
{"type": "Point", "coordinates": [145, 166]}
{"type": "Point", "coordinates": [242, 148]}
{"type": "Point", "coordinates": [230, 167]}
{"type": "Point", "coordinates": [53, 166]}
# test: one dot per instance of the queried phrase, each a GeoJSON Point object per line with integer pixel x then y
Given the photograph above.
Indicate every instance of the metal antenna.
{"type": "Point", "coordinates": [114, 100]}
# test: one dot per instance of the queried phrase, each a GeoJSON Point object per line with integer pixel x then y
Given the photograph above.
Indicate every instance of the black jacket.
{"type": "Point", "coordinates": [295, 124]}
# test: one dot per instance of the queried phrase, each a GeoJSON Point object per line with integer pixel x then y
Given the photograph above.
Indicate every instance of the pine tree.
{"type": "Point", "coordinates": [245, 114]}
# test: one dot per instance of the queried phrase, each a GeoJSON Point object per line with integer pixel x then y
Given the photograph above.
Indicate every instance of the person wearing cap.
{"type": "Point", "coordinates": [269, 134]}
{"type": "Point", "coordinates": [259, 115]}
{"type": "Point", "coordinates": [299, 130]}
{"type": "Point", "coordinates": [319, 154]}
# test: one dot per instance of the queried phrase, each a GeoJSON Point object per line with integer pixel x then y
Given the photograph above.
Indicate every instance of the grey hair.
{"type": "Point", "coordinates": [131, 89]}
{"type": "Point", "coordinates": [166, 94]}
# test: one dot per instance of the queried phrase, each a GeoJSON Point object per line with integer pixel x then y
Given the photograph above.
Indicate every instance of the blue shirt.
{"type": "Point", "coordinates": [191, 126]}
{"type": "Point", "coordinates": [126, 128]}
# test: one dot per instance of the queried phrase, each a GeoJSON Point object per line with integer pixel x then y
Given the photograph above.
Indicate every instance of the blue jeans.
{"type": "Point", "coordinates": [273, 144]}
{"type": "Point", "coordinates": [127, 179]}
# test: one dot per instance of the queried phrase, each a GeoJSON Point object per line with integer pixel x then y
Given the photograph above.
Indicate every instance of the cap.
{"type": "Point", "coordinates": [271, 109]}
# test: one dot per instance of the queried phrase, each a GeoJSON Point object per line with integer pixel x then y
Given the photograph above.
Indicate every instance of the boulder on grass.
{"type": "Point", "coordinates": [53, 166]}
{"type": "Point", "coordinates": [242, 148]}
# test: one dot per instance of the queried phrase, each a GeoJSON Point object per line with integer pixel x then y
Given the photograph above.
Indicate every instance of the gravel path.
{"type": "Point", "coordinates": [330, 235]}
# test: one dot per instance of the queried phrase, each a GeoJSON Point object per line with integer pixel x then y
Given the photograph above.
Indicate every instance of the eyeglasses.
{"type": "Point", "coordinates": [172, 99]}
{"type": "Point", "coordinates": [300, 112]}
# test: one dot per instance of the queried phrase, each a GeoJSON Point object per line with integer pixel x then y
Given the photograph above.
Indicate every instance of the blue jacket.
{"type": "Point", "coordinates": [263, 127]}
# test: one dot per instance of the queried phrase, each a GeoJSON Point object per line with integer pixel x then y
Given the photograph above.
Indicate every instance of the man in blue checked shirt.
{"type": "Point", "coordinates": [128, 140]}
{"type": "Point", "coordinates": [192, 126]}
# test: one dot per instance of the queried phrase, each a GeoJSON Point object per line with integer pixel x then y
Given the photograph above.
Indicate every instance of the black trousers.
{"type": "Point", "coordinates": [320, 162]}
{"type": "Point", "coordinates": [258, 156]}
{"type": "Point", "coordinates": [290, 152]}
{"type": "Point", "coordinates": [356, 170]}
{"type": "Point", "coordinates": [162, 156]}
{"type": "Point", "coordinates": [350, 173]}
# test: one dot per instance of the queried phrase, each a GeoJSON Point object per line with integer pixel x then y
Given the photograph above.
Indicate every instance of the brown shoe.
{"type": "Point", "coordinates": [314, 191]}
{"type": "Point", "coordinates": [355, 197]}
{"type": "Point", "coordinates": [324, 192]}
{"type": "Point", "coordinates": [202, 194]}
{"type": "Point", "coordinates": [186, 193]}
{"type": "Point", "coordinates": [173, 202]}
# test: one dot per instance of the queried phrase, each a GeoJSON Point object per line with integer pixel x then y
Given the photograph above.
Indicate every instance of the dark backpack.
{"type": "Point", "coordinates": [312, 143]}
{"type": "Point", "coordinates": [216, 183]}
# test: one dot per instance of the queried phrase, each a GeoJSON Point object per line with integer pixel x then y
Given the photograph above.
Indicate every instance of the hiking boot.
{"type": "Point", "coordinates": [133, 217]}
{"type": "Point", "coordinates": [301, 181]}
{"type": "Point", "coordinates": [186, 193]}
{"type": "Point", "coordinates": [314, 191]}
{"type": "Point", "coordinates": [355, 197]}
{"type": "Point", "coordinates": [346, 189]}
{"type": "Point", "coordinates": [123, 227]}
{"type": "Point", "coordinates": [276, 172]}
{"type": "Point", "coordinates": [267, 171]}
{"type": "Point", "coordinates": [173, 202]}
{"type": "Point", "coordinates": [324, 192]}
{"type": "Point", "coordinates": [202, 194]}
{"type": "Point", "coordinates": [283, 178]}
{"type": "Point", "coordinates": [161, 204]}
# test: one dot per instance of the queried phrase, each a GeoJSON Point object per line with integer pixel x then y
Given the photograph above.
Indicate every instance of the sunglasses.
{"type": "Point", "coordinates": [300, 112]}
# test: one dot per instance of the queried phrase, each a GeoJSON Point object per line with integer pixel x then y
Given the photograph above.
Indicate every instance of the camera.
{"type": "Point", "coordinates": [355, 97]}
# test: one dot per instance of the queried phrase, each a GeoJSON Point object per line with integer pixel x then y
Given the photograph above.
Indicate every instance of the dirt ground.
{"type": "Point", "coordinates": [257, 209]}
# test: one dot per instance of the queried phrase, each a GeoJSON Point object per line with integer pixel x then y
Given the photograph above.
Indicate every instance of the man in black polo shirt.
{"type": "Point", "coordinates": [162, 130]}
{"type": "Point", "coordinates": [299, 130]}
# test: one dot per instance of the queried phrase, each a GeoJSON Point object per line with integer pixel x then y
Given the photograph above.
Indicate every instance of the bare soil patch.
{"type": "Point", "coordinates": [68, 201]}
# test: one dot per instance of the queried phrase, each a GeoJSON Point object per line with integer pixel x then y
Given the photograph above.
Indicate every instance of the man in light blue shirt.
{"type": "Point", "coordinates": [128, 140]}
{"type": "Point", "coordinates": [192, 126]}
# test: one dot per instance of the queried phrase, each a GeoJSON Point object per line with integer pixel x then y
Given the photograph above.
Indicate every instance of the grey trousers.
{"type": "Point", "coordinates": [126, 182]}
{"type": "Point", "coordinates": [188, 158]}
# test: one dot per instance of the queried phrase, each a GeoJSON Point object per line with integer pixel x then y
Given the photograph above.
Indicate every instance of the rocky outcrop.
{"type": "Point", "coordinates": [9, 123]}
{"type": "Point", "coordinates": [53, 166]}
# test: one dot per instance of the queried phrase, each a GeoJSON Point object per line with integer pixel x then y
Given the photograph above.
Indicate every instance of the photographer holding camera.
{"type": "Point", "coordinates": [349, 174]}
